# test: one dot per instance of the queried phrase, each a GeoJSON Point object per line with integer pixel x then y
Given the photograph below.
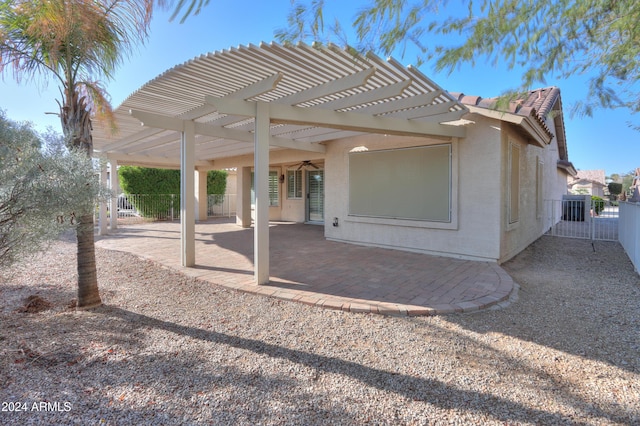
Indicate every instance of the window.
{"type": "Point", "coordinates": [514, 183]}
{"type": "Point", "coordinates": [294, 184]}
{"type": "Point", "coordinates": [539, 189]}
{"type": "Point", "coordinates": [409, 183]}
{"type": "Point", "coordinates": [274, 192]}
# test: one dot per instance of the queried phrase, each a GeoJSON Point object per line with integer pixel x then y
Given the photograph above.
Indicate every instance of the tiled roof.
{"type": "Point", "coordinates": [539, 104]}
{"type": "Point", "coordinates": [540, 101]}
{"type": "Point", "coordinates": [592, 175]}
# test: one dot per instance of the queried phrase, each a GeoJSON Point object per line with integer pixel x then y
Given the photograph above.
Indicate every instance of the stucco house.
{"type": "Point", "coordinates": [376, 153]}
{"type": "Point", "coordinates": [588, 182]}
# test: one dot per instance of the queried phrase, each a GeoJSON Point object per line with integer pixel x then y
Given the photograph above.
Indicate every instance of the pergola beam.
{"type": "Point", "coordinates": [248, 92]}
{"type": "Point", "coordinates": [337, 120]}
{"type": "Point", "coordinates": [257, 89]}
{"type": "Point", "coordinates": [334, 86]}
{"type": "Point", "coordinates": [158, 121]}
{"type": "Point", "coordinates": [142, 134]}
{"type": "Point", "coordinates": [387, 92]}
{"type": "Point", "coordinates": [149, 161]}
{"type": "Point", "coordinates": [177, 124]}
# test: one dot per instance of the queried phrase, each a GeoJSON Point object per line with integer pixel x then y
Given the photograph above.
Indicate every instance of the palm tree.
{"type": "Point", "coordinates": [77, 43]}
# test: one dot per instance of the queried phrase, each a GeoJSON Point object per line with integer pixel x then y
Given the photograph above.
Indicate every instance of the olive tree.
{"type": "Point", "coordinates": [42, 189]}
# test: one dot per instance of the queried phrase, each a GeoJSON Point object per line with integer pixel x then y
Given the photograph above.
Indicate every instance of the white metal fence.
{"type": "Point", "coordinates": [583, 218]}
{"type": "Point", "coordinates": [630, 231]}
{"type": "Point", "coordinates": [221, 205]}
{"type": "Point", "coordinates": [136, 208]}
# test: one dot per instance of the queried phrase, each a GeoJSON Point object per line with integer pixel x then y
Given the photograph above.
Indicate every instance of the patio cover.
{"type": "Point", "coordinates": [253, 99]}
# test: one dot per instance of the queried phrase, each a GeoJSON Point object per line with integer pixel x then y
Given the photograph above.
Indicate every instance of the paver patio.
{"type": "Point", "coordinates": [306, 268]}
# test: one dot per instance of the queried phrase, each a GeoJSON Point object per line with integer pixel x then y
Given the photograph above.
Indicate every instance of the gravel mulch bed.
{"type": "Point", "coordinates": [166, 349]}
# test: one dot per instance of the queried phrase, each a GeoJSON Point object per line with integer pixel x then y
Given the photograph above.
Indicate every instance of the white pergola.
{"type": "Point", "coordinates": [253, 99]}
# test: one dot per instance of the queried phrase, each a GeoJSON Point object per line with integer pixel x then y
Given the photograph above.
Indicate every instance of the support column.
{"type": "Point", "coordinates": [200, 178]}
{"type": "Point", "coordinates": [115, 190]}
{"type": "Point", "coordinates": [261, 187]}
{"type": "Point", "coordinates": [187, 197]}
{"type": "Point", "coordinates": [243, 197]}
{"type": "Point", "coordinates": [102, 230]}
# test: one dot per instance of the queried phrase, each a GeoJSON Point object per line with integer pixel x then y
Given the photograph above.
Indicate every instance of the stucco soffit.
{"type": "Point", "coordinates": [568, 167]}
{"type": "Point", "coordinates": [538, 135]}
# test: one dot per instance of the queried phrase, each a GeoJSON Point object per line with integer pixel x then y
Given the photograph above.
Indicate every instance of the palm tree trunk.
{"type": "Point", "coordinates": [76, 124]}
{"type": "Point", "coordinates": [88, 294]}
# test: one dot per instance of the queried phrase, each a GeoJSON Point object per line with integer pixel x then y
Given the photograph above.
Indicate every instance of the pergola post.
{"type": "Point", "coordinates": [200, 178]}
{"type": "Point", "coordinates": [243, 197]}
{"type": "Point", "coordinates": [187, 195]}
{"type": "Point", "coordinates": [261, 187]}
{"type": "Point", "coordinates": [115, 190]}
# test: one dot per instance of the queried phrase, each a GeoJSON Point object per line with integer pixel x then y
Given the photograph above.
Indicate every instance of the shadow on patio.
{"type": "Point", "coordinates": [306, 268]}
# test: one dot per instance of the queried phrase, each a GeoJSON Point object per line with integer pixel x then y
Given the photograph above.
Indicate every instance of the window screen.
{"type": "Point", "coordinates": [408, 183]}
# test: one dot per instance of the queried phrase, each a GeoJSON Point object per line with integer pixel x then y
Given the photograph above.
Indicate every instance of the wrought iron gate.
{"type": "Point", "coordinates": [582, 217]}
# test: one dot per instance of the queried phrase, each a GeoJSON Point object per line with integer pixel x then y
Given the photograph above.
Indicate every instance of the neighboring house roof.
{"type": "Point", "coordinates": [532, 109]}
{"type": "Point", "coordinates": [586, 182]}
{"type": "Point", "coordinates": [592, 175]}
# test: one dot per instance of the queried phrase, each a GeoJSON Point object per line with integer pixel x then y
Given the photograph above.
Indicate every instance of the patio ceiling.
{"type": "Point", "coordinates": [315, 94]}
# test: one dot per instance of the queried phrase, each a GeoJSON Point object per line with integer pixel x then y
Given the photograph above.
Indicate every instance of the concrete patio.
{"type": "Point", "coordinates": [306, 268]}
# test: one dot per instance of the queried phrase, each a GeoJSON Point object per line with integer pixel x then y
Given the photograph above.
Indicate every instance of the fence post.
{"type": "Point", "coordinates": [553, 218]}
{"type": "Point", "coordinates": [592, 210]}
{"type": "Point", "coordinates": [636, 237]}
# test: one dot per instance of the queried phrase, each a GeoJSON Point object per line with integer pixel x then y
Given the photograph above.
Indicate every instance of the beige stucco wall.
{"type": "Point", "coordinates": [516, 236]}
{"type": "Point", "coordinates": [292, 210]}
{"type": "Point", "coordinates": [475, 223]}
{"type": "Point", "coordinates": [478, 229]}
{"type": "Point", "coordinates": [534, 220]}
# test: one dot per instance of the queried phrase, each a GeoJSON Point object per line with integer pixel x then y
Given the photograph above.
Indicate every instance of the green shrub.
{"type": "Point", "coordinates": [217, 185]}
{"type": "Point", "coordinates": [143, 180]}
{"type": "Point", "coordinates": [615, 188]}
{"type": "Point", "coordinates": [597, 203]}
{"type": "Point", "coordinates": [158, 190]}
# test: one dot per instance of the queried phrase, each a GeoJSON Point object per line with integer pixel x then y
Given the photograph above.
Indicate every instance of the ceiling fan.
{"type": "Point", "coordinates": [307, 163]}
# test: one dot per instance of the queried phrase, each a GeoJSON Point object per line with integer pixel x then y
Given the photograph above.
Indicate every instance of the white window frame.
{"type": "Point", "coordinates": [513, 185]}
{"type": "Point", "coordinates": [294, 192]}
{"type": "Point", "coordinates": [539, 189]}
{"type": "Point", "coordinates": [452, 224]}
{"type": "Point", "coordinates": [274, 188]}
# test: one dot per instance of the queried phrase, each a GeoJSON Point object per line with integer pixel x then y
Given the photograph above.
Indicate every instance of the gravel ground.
{"type": "Point", "coordinates": [166, 349]}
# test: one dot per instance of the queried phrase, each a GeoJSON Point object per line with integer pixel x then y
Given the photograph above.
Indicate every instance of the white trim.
{"type": "Point", "coordinates": [513, 224]}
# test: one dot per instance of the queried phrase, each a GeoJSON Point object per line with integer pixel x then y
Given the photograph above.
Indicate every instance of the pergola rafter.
{"type": "Point", "coordinates": [252, 99]}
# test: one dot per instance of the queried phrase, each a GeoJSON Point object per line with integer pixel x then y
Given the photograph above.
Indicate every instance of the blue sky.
{"type": "Point", "coordinates": [604, 141]}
